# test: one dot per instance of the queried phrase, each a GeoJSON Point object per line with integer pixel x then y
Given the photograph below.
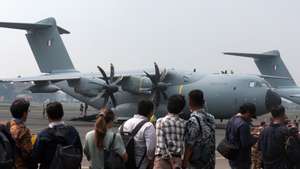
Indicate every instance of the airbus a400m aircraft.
{"type": "Point", "coordinates": [224, 93]}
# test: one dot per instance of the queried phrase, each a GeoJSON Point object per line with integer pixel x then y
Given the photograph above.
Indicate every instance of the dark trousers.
{"type": "Point", "coordinates": [240, 165]}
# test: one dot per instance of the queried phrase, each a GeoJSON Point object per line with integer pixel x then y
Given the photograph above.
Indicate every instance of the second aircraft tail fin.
{"type": "Point", "coordinates": [46, 44]}
{"type": "Point", "coordinates": [270, 65]}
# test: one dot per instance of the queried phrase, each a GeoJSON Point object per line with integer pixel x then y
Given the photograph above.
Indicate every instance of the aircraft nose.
{"type": "Point", "coordinates": [272, 99]}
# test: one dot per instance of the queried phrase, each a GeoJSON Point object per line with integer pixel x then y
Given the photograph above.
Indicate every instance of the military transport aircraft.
{"type": "Point", "coordinates": [224, 93]}
{"type": "Point", "coordinates": [273, 70]}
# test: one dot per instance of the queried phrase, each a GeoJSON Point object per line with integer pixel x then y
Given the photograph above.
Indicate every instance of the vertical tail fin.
{"type": "Point", "coordinates": [270, 64]}
{"type": "Point", "coordinates": [46, 44]}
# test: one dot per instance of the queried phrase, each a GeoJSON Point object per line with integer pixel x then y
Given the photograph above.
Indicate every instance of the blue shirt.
{"type": "Point", "coordinates": [238, 133]}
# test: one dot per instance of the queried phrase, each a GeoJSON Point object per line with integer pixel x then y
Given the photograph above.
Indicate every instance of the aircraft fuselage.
{"type": "Point", "coordinates": [223, 93]}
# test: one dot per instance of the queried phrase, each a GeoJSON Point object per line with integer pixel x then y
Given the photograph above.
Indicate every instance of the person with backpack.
{"type": "Point", "coordinates": [102, 143]}
{"type": "Point", "coordinates": [293, 147]}
{"type": "Point", "coordinates": [7, 149]}
{"type": "Point", "coordinates": [58, 146]}
{"type": "Point", "coordinates": [238, 133]}
{"type": "Point", "coordinates": [199, 135]}
{"type": "Point", "coordinates": [273, 139]}
{"type": "Point", "coordinates": [170, 136]}
{"type": "Point", "coordinates": [140, 145]}
{"type": "Point", "coordinates": [20, 133]}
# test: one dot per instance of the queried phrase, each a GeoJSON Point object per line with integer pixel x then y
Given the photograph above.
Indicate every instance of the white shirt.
{"type": "Point", "coordinates": [145, 139]}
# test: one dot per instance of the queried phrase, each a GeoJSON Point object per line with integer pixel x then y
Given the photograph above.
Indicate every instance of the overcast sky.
{"type": "Point", "coordinates": [132, 34]}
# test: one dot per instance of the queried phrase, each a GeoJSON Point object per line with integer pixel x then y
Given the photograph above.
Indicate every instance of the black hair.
{"type": "Point", "coordinates": [176, 104]}
{"type": "Point", "coordinates": [278, 111]}
{"type": "Point", "coordinates": [247, 107]}
{"type": "Point", "coordinates": [145, 107]}
{"type": "Point", "coordinates": [196, 98]}
{"type": "Point", "coordinates": [18, 107]}
{"type": "Point", "coordinates": [55, 110]}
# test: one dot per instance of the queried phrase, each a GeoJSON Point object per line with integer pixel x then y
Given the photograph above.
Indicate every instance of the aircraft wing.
{"type": "Point", "coordinates": [47, 77]}
{"type": "Point", "coordinates": [70, 76]}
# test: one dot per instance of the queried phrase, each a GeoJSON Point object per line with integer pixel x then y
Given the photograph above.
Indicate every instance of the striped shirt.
{"type": "Point", "coordinates": [170, 136]}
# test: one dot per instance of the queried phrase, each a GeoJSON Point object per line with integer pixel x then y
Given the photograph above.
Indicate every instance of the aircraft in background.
{"type": "Point", "coordinates": [273, 70]}
{"type": "Point", "coordinates": [224, 93]}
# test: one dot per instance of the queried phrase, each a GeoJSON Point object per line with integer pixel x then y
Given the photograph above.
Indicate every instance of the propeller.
{"type": "Point", "coordinates": [110, 87]}
{"type": "Point", "coordinates": [158, 86]}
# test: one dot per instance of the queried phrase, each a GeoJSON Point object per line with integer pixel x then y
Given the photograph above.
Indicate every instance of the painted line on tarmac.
{"type": "Point", "coordinates": [217, 158]}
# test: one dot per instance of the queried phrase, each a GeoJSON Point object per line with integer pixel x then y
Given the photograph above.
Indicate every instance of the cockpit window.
{"type": "Point", "coordinates": [257, 84]}
{"type": "Point", "coordinates": [264, 84]}
{"type": "Point", "coordinates": [252, 84]}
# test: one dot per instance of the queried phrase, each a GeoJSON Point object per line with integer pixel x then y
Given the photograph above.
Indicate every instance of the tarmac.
{"type": "Point", "coordinates": [36, 123]}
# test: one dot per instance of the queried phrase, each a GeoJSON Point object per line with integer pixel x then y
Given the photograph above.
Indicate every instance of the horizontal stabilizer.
{"type": "Point", "coordinates": [30, 26]}
{"type": "Point", "coordinates": [273, 53]}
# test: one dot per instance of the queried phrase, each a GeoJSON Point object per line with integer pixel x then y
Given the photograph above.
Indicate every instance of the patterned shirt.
{"type": "Point", "coordinates": [200, 135]}
{"type": "Point", "coordinates": [22, 136]}
{"type": "Point", "coordinates": [256, 155]}
{"type": "Point", "coordinates": [169, 136]}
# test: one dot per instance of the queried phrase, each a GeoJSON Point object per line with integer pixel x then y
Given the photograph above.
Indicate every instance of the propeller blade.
{"type": "Point", "coordinates": [118, 80]}
{"type": "Point", "coordinates": [105, 101]}
{"type": "Point", "coordinates": [113, 99]}
{"type": "Point", "coordinates": [151, 78]}
{"type": "Point", "coordinates": [163, 75]}
{"type": "Point", "coordinates": [103, 74]}
{"type": "Point", "coordinates": [156, 98]}
{"type": "Point", "coordinates": [99, 95]}
{"type": "Point", "coordinates": [112, 72]}
{"type": "Point", "coordinates": [157, 73]}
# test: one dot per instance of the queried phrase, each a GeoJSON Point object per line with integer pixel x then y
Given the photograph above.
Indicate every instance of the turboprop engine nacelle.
{"type": "Point", "coordinates": [49, 88]}
{"type": "Point", "coordinates": [90, 87]}
{"type": "Point", "coordinates": [137, 85]}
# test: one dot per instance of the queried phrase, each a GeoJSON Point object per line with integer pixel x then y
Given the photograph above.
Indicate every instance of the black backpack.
{"type": "Point", "coordinates": [67, 156]}
{"type": "Point", "coordinates": [128, 139]}
{"type": "Point", "coordinates": [7, 150]}
{"type": "Point", "coordinates": [229, 150]}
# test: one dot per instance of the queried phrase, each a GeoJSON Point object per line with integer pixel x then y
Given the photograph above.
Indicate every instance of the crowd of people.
{"type": "Point", "coordinates": [169, 143]}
